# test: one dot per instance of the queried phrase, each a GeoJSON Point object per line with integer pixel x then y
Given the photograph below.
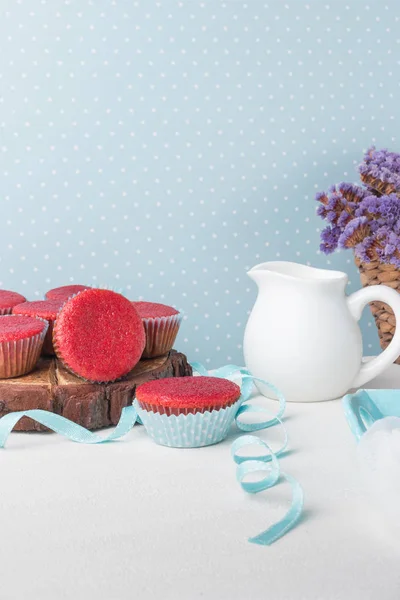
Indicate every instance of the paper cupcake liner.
{"type": "Point", "coordinates": [161, 333]}
{"type": "Point", "coordinates": [193, 430]}
{"type": "Point", "coordinates": [54, 344]}
{"type": "Point", "coordinates": [169, 411]}
{"type": "Point", "coordinates": [6, 311]}
{"type": "Point", "coordinates": [20, 357]}
{"type": "Point", "coordinates": [48, 348]}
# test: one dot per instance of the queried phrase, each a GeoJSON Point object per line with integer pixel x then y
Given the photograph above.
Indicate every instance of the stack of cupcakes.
{"type": "Point", "coordinates": [97, 334]}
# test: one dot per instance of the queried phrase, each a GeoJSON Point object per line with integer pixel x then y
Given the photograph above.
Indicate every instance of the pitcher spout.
{"type": "Point", "coordinates": [257, 274]}
{"type": "Point", "coordinates": [295, 273]}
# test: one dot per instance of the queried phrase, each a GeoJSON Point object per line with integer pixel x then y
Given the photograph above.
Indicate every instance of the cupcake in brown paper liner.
{"type": "Point", "coordinates": [65, 292]}
{"type": "Point", "coordinates": [8, 300]}
{"type": "Point", "coordinates": [161, 324]}
{"type": "Point", "coordinates": [44, 309]}
{"type": "Point", "coordinates": [98, 335]}
{"type": "Point", "coordinates": [21, 341]}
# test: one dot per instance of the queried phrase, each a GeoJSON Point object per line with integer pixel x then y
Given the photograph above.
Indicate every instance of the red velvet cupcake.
{"type": "Point", "coordinates": [188, 411]}
{"type": "Point", "coordinates": [64, 292]}
{"type": "Point", "coordinates": [98, 335]}
{"type": "Point", "coordinates": [45, 309]}
{"type": "Point", "coordinates": [21, 341]}
{"type": "Point", "coordinates": [8, 300]}
{"type": "Point", "coordinates": [161, 323]}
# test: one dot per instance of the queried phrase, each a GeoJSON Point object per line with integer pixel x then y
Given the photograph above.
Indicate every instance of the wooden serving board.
{"type": "Point", "coordinates": [94, 405]}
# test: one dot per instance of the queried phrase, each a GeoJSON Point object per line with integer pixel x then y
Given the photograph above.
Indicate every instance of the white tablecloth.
{"type": "Point", "coordinates": [133, 520]}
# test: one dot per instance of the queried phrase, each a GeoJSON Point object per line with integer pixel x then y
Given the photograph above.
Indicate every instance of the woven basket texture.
{"type": "Point", "coordinates": [375, 273]}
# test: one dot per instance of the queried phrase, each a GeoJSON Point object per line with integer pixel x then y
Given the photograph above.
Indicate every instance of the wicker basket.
{"type": "Point", "coordinates": [375, 273]}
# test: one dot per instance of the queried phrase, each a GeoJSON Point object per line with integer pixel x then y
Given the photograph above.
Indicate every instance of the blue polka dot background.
{"type": "Point", "coordinates": [164, 148]}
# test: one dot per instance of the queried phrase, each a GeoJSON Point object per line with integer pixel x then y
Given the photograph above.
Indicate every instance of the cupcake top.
{"type": "Point", "coordinates": [190, 393]}
{"type": "Point", "coordinates": [46, 309]}
{"type": "Point", "coordinates": [9, 299]}
{"type": "Point", "coordinates": [16, 327]}
{"type": "Point", "coordinates": [99, 335]}
{"type": "Point", "coordinates": [149, 310]}
{"type": "Point", "coordinates": [64, 292]}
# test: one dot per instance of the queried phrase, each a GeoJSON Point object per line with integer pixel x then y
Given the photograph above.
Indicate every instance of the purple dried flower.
{"type": "Point", "coordinates": [340, 201]}
{"type": "Point", "coordinates": [385, 210]}
{"type": "Point", "coordinates": [329, 239]}
{"type": "Point", "coordinates": [383, 246]}
{"type": "Point", "coordinates": [388, 208]}
{"type": "Point", "coordinates": [366, 218]}
{"type": "Point", "coordinates": [371, 191]}
{"type": "Point", "coordinates": [354, 233]}
{"type": "Point", "coordinates": [333, 209]}
{"type": "Point", "coordinates": [381, 170]}
{"type": "Point", "coordinates": [366, 250]}
{"type": "Point", "coordinates": [388, 246]}
{"type": "Point", "coordinates": [331, 217]}
{"type": "Point", "coordinates": [353, 193]}
{"type": "Point", "coordinates": [343, 219]}
{"type": "Point", "coordinates": [321, 197]}
{"type": "Point", "coordinates": [396, 228]}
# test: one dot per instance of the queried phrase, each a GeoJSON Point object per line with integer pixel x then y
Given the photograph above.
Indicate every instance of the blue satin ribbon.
{"type": "Point", "coordinates": [266, 463]}
{"type": "Point", "coordinates": [68, 428]}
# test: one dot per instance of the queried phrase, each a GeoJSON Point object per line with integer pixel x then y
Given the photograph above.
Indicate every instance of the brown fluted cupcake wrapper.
{"type": "Point", "coordinates": [48, 348]}
{"type": "Point", "coordinates": [64, 362]}
{"type": "Point", "coordinates": [20, 357]}
{"type": "Point", "coordinates": [161, 333]}
{"type": "Point", "coordinates": [6, 311]}
{"type": "Point", "coordinates": [170, 410]}
{"type": "Point", "coordinates": [54, 345]}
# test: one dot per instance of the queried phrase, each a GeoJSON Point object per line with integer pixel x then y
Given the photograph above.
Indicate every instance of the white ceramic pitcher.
{"type": "Point", "coordinates": [303, 334]}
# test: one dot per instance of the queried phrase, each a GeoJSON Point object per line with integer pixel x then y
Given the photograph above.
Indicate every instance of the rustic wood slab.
{"type": "Point", "coordinates": [94, 405]}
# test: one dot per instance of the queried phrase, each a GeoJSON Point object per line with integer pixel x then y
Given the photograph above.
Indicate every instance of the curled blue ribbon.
{"type": "Point", "coordinates": [68, 428]}
{"type": "Point", "coordinates": [267, 463]}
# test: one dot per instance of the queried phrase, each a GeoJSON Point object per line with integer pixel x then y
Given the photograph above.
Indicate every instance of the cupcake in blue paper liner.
{"type": "Point", "coordinates": [188, 412]}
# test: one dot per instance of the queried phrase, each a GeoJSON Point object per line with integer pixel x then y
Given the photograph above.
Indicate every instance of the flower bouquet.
{"type": "Point", "coordinates": [366, 218]}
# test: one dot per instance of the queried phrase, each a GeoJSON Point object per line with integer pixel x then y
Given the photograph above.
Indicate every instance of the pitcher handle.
{"type": "Point", "coordinates": [356, 303]}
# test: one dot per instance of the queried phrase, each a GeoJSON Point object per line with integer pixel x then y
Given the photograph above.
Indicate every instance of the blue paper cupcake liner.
{"type": "Point", "coordinates": [189, 431]}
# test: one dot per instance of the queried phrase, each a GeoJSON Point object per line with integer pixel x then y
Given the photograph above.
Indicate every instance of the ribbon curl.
{"type": "Point", "coordinates": [68, 428]}
{"type": "Point", "coordinates": [267, 462]}
{"type": "Point", "coordinates": [259, 463]}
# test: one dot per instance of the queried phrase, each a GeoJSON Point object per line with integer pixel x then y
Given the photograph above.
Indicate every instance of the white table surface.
{"type": "Point", "coordinates": [135, 520]}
